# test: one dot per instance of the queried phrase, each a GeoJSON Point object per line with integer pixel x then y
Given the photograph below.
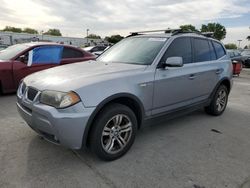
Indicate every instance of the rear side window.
{"type": "Point", "coordinates": [201, 50]}
{"type": "Point", "coordinates": [71, 53]}
{"type": "Point", "coordinates": [220, 52]}
{"type": "Point", "coordinates": [180, 47]}
{"type": "Point", "coordinates": [98, 48]}
{"type": "Point", "coordinates": [212, 51]}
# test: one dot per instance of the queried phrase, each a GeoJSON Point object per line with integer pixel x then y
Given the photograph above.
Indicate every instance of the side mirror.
{"type": "Point", "coordinates": [23, 59]}
{"type": "Point", "coordinates": [174, 62]}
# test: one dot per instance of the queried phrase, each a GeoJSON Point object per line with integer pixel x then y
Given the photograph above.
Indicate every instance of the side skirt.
{"type": "Point", "coordinates": [175, 113]}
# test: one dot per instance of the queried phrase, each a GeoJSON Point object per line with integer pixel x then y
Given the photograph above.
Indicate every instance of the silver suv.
{"type": "Point", "coordinates": [102, 104]}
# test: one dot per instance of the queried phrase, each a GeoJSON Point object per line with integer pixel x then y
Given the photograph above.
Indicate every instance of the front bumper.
{"type": "Point", "coordinates": [60, 126]}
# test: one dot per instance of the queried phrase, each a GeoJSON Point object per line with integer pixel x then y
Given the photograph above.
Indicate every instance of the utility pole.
{"type": "Point", "coordinates": [239, 43]}
{"type": "Point", "coordinates": [87, 37]}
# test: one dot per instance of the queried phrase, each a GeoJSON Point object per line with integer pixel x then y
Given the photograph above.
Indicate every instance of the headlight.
{"type": "Point", "coordinates": [59, 99]}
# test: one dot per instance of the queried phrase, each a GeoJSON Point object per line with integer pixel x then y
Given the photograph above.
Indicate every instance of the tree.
{"type": "Point", "coordinates": [248, 38]}
{"type": "Point", "coordinates": [30, 30]}
{"type": "Point", "coordinates": [218, 30]}
{"type": "Point", "coordinates": [231, 46]}
{"type": "Point", "coordinates": [246, 47]}
{"type": "Point", "coordinates": [114, 38]}
{"type": "Point", "coordinates": [93, 36]}
{"type": "Point", "coordinates": [188, 27]}
{"type": "Point", "coordinates": [13, 29]}
{"type": "Point", "coordinates": [54, 32]}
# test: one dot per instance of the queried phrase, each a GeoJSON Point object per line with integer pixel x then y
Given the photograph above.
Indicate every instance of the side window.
{"type": "Point", "coordinates": [71, 53]}
{"type": "Point", "coordinates": [219, 49]}
{"type": "Point", "coordinates": [101, 48]}
{"type": "Point", "coordinates": [201, 50]}
{"type": "Point", "coordinates": [212, 51]}
{"type": "Point", "coordinates": [180, 47]}
{"type": "Point", "coordinates": [45, 55]}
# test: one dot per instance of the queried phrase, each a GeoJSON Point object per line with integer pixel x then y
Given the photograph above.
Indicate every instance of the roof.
{"type": "Point", "coordinates": [31, 44]}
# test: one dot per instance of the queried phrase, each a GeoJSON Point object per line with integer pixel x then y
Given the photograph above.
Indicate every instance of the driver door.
{"type": "Point", "coordinates": [176, 87]}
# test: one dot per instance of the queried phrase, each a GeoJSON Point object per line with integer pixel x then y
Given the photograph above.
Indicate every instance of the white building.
{"type": "Point", "coordinates": [10, 38]}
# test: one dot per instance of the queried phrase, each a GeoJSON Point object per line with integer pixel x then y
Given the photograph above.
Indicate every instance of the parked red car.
{"type": "Point", "coordinates": [20, 60]}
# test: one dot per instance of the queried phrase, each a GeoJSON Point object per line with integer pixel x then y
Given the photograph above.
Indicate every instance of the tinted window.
{"type": "Point", "coordinates": [201, 50]}
{"type": "Point", "coordinates": [98, 48]}
{"type": "Point", "coordinates": [219, 49]}
{"type": "Point", "coordinates": [71, 53]}
{"type": "Point", "coordinates": [212, 52]}
{"type": "Point", "coordinates": [231, 54]}
{"type": "Point", "coordinates": [180, 47]}
{"type": "Point", "coordinates": [237, 53]}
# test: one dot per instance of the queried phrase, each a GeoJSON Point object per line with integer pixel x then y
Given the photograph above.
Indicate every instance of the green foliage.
{"type": "Point", "coordinates": [188, 27]}
{"type": "Point", "coordinates": [114, 38]}
{"type": "Point", "coordinates": [93, 36]}
{"type": "Point", "coordinates": [231, 46]}
{"type": "Point", "coordinates": [53, 32]}
{"type": "Point", "coordinates": [13, 29]}
{"type": "Point", "coordinates": [218, 29]}
{"type": "Point", "coordinates": [30, 30]}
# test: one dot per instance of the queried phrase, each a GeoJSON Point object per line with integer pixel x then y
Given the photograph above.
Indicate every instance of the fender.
{"type": "Point", "coordinates": [102, 104]}
{"type": "Point", "coordinates": [217, 86]}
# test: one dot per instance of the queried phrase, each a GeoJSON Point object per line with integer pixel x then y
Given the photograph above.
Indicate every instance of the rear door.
{"type": "Point", "coordinates": [206, 66]}
{"type": "Point", "coordinates": [37, 59]}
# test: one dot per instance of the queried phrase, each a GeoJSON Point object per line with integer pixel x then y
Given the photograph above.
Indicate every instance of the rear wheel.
{"type": "Point", "coordinates": [114, 132]}
{"type": "Point", "coordinates": [219, 102]}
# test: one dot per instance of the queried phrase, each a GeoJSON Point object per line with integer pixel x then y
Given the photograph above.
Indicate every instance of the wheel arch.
{"type": "Point", "coordinates": [224, 81]}
{"type": "Point", "coordinates": [127, 99]}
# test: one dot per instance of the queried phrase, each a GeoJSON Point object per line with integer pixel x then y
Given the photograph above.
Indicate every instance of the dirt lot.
{"type": "Point", "coordinates": [178, 153]}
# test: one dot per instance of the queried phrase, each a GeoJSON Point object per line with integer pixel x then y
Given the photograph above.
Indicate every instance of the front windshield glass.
{"type": "Point", "coordinates": [12, 51]}
{"type": "Point", "coordinates": [136, 50]}
{"type": "Point", "coordinates": [246, 52]}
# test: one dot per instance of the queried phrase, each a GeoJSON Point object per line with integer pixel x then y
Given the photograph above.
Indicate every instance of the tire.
{"type": "Point", "coordinates": [218, 103]}
{"type": "Point", "coordinates": [113, 132]}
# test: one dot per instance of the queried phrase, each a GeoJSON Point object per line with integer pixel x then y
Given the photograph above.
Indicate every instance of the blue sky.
{"type": "Point", "coordinates": [106, 17]}
{"type": "Point", "coordinates": [241, 21]}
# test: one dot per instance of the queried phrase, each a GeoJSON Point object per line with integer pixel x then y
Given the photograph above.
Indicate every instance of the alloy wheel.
{"type": "Point", "coordinates": [116, 133]}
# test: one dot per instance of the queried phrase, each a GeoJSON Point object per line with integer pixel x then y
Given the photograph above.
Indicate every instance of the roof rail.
{"type": "Point", "coordinates": [208, 34]}
{"type": "Point", "coordinates": [173, 32]}
{"type": "Point", "coordinates": [154, 31]}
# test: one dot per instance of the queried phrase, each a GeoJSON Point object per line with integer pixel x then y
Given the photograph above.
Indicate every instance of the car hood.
{"type": "Point", "coordinates": [77, 75]}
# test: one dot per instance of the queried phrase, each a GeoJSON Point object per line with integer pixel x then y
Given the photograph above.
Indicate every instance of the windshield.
{"type": "Point", "coordinates": [246, 52]}
{"type": "Point", "coordinates": [12, 51]}
{"type": "Point", "coordinates": [138, 50]}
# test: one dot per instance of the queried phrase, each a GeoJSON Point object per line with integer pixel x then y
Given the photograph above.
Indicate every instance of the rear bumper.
{"type": "Point", "coordinates": [60, 126]}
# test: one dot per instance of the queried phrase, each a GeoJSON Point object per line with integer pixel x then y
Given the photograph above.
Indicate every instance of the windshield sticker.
{"type": "Point", "coordinates": [157, 39]}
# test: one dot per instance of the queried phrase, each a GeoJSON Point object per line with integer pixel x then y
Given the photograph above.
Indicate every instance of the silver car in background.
{"type": "Point", "coordinates": [101, 104]}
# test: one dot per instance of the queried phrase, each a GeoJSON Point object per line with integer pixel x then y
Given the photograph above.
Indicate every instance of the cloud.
{"type": "Point", "coordinates": [105, 17]}
{"type": "Point", "coordinates": [237, 33]}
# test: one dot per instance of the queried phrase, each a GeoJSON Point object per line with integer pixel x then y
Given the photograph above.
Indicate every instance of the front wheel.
{"type": "Point", "coordinates": [114, 132]}
{"type": "Point", "coordinates": [219, 102]}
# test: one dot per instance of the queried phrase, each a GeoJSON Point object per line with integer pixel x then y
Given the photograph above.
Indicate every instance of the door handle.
{"type": "Point", "coordinates": [192, 76]}
{"type": "Point", "coordinates": [218, 71]}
